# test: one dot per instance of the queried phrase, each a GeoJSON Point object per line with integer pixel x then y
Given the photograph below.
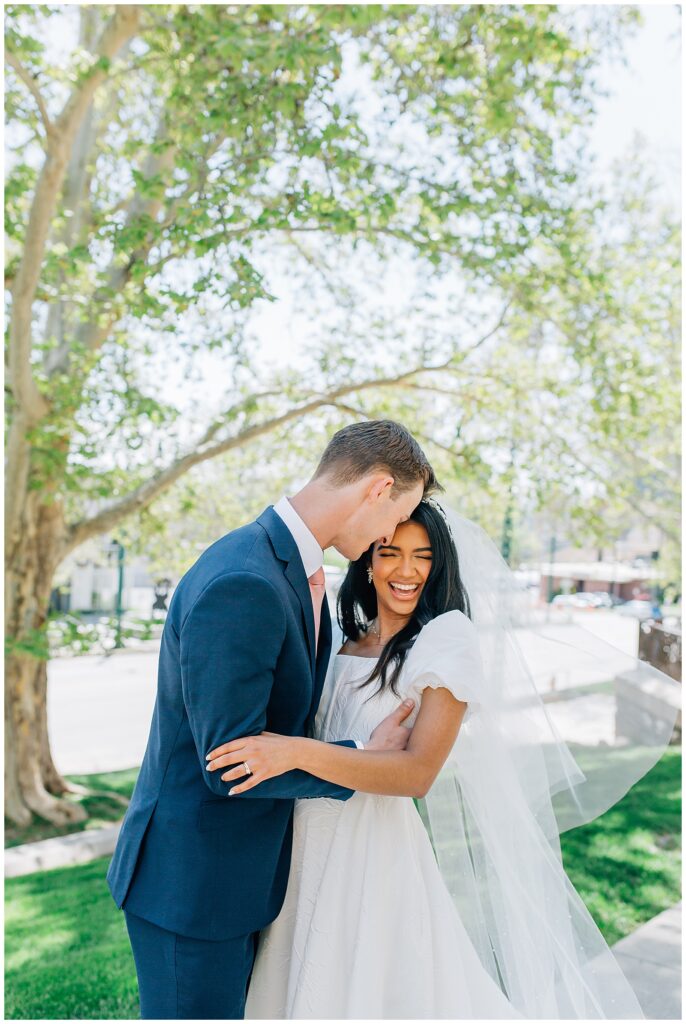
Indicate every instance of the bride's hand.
{"type": "Point", "coordinates": [266, 755]}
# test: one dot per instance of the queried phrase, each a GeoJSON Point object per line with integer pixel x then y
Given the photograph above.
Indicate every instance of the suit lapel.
{"type": "Point", "coordinates": [287, 550]}
{"type": "Point", "coordinates": [295, 574]}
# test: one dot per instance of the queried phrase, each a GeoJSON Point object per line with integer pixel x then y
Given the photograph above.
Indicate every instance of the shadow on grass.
{"type": "Point", "coordinates": [101, 809]}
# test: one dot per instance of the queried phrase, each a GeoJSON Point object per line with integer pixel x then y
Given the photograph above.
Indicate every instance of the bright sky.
{"type": "Point", "coordinates": [646, 96]}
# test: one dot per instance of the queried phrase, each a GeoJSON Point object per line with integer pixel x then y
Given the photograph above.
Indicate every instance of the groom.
{"type": "Point", "coordinates": [245, 649]}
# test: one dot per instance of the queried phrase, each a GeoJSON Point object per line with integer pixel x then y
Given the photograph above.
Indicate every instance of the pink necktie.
{"type": "Point", "coordinates": [317, 583]}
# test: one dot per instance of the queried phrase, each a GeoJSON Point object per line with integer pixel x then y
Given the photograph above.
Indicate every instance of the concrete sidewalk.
{"type": "Point", "coordinates": [61, 852]}
{"type": "Point", "coordinates": [651, 959]}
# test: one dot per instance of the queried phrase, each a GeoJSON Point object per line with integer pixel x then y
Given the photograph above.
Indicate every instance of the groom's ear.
{"type": "Point", "coordinates": [381, 482]}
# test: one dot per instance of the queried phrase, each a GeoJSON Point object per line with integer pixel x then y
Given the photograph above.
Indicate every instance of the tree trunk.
{"type": "Point", "coordinates": [32, 783]}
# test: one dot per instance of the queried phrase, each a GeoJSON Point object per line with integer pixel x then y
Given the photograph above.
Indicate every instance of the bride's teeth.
{"type": "Point", "coordinates": [404, 586]}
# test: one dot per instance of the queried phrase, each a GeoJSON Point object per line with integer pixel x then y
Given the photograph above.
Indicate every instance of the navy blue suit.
{"type": "Point", "coordinates": [237, 657]}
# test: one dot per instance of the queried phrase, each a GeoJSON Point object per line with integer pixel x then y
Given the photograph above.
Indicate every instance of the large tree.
{"type": "Point", "coordinates": [154, 165]}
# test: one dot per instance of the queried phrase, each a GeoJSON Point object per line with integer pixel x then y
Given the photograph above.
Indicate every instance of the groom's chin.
{"type": "Point", "coordinates": [352, 554]}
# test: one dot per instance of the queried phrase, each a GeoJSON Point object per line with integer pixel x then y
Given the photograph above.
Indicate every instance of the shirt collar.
{"type": "Point", "coordinates": [310, 552]}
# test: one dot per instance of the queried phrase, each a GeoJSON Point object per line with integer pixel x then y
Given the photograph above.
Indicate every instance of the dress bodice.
{"type": "Point", "coordinates": [368, 929]}
{"type": "Point", "coordinates": [346, 711]}
{"type": "Point", "coordinates": [445, 653]}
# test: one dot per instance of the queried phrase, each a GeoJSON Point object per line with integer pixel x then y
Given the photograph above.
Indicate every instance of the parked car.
{"type": "Point", "coordinates": [637, 609]}
{"type": "Point", "coordinates": [602, 599]}
{"type": "Point", "coordinates": [671, 614]}
{"type": "Point", "coordinates": [573, 601]}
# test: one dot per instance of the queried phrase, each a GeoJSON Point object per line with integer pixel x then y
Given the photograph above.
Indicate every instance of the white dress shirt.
{"type": "Point", "coordinates": [306, 542]}
{"type": "Point", "coordinates": [308, 545]}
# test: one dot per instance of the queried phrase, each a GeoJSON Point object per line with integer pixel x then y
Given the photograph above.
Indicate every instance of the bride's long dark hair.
{"type": "Point", "coordinates": [443, 592]}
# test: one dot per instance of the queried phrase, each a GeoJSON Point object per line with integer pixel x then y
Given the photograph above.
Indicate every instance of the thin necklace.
{"type": "Point", "coordinates": [375, 631]}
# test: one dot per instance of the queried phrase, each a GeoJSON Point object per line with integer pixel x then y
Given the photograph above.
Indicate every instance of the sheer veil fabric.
{"type": "Point", "coordinates": [511, 785]}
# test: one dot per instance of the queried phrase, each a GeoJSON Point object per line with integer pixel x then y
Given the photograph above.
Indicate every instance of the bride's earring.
{"type": "Point", "coordinates": [370, 574]}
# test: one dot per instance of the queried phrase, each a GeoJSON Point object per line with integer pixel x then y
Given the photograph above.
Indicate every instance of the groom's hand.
{"type": "Point", "coordinates": [391, 734]}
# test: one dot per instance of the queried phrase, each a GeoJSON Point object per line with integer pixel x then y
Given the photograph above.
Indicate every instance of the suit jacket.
{"type": "Point", "coordinates": [237, 657]}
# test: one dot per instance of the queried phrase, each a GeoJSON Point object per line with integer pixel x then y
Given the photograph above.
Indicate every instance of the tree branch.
{"type": "Point", "coordinates": [120, 28]}
{"type": "Point", "coordinates": [332, 287]}
{"type": "Point", "coordinates": [354, 411]}
{"type": "Point", "coordinates": [143, 495]}
{"type": "Point", "coordinates": [632, 503]}
{"type": "Point", "coordinates": [495, 329]}
{"type": "Point", "coordinates": [93, 333]}
{"type": "Point", "coordinates": [76, 198]}
{"type": "Point", "coordinates": [215, 427]}
{"type": "Point", "coordinates": [451, 451]}
{"type": "Point", "coordinates": [605, 477]}
{"type": "Point", "coordinates": [30, 82]}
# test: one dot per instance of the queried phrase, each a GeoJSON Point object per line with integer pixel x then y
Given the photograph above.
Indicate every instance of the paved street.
{"type": "Point", "coordinates": [556, 666]}
{"type": "Point", "coordinates": [100, 708]}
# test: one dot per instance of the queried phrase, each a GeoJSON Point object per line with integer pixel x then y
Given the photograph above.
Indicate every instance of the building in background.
{"type": "Point", "coordinates": [626, 582]}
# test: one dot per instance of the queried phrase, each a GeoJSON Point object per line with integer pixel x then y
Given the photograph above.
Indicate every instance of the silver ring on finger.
{"type": "Point", "coordinates": [247, 768]}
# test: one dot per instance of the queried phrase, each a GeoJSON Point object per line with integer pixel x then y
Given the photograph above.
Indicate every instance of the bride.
{"type": "Point", "coordinates": [454, 904]}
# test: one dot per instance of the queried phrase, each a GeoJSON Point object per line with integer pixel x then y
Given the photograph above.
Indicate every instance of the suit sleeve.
{"type": "Point", "coordinates": [230, 644]}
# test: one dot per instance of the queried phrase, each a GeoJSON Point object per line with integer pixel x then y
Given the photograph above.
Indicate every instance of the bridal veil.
{"type": "Point", "coordinates": [512, 784]}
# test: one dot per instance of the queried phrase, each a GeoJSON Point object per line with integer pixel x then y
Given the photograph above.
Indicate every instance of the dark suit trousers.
{"type": "Point", "coordinates": [180, 978]}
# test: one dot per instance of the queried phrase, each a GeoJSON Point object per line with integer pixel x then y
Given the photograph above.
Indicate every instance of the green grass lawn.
{"type": "Point", "coordinates": [102, 809]}
{"type": "Point", "coordinates": [68, 956]}
{"type": "Point", "coordinates": [626, 864]}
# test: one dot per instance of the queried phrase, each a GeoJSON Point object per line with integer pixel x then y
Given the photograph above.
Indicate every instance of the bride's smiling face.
{"type": "Point", "coordinates": [401, 568]}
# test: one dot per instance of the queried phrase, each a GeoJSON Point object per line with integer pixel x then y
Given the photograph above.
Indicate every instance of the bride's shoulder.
{"type": "Point", "coordinates": [446, 653]}
{"type": "Point", "coordinates": [446, 634]}
{"type": "Point", "coordinates": [450, 625]}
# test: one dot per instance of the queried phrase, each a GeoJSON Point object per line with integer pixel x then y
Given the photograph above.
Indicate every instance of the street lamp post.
{"type": "Point", "coordinates": [553, 545]}
{"type": "Point", "coordinates": [506, 540]}
{"type": "Point", "coordinates": [656, 610]}
{"type": "Point", "coordinates": [120, 590]}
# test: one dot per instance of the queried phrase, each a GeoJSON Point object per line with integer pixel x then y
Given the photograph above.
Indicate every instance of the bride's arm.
{"type": "Point", "coordinates": [408, 772]}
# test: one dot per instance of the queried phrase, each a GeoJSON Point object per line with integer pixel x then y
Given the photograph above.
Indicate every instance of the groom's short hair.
{"type": "Point", "coordinates": [374, 445]}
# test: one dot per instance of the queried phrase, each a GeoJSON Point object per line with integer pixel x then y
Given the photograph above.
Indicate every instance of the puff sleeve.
{"type": "Point", "coordinates": [446, 654]}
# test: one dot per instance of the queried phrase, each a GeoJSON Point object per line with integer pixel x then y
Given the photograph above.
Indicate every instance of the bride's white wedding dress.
{"type": "Point", "coordinates": [368, 927]}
